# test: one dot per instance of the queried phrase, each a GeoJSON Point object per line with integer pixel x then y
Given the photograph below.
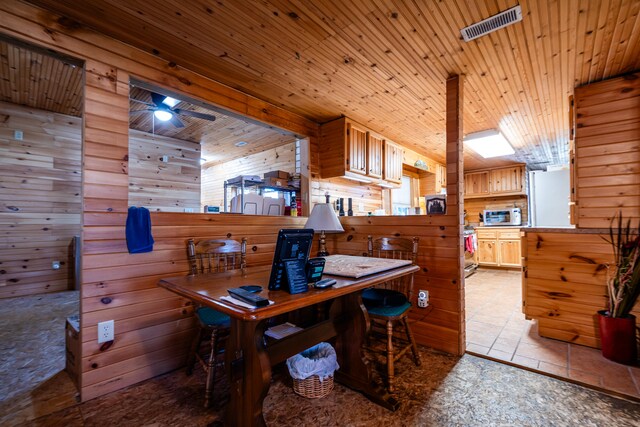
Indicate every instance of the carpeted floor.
{"type": "Point", "coordinates": [444, 391]}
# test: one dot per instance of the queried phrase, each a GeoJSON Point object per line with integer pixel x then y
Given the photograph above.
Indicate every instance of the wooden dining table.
{"type": "Point", "coordinates": [248, 358]}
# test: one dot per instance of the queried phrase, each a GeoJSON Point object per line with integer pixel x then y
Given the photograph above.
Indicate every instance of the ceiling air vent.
{"type": "Point", "coordinates": [492, 24]}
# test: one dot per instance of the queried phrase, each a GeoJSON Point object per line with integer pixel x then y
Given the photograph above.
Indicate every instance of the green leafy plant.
{"type": "Point", "coordinates": [623, 275]}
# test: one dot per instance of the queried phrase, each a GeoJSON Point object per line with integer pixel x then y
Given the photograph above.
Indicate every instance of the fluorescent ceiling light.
{"type": "Point", "coordinates": [162, 115]}
{"type": "Point", "coordinates": [489, 143]}
{"type": "Point", "coordinates": [171, 102]}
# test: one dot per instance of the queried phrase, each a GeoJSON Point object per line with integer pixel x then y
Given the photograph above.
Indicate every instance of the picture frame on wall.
{"type": "Point", "coordinates": [436, 204]}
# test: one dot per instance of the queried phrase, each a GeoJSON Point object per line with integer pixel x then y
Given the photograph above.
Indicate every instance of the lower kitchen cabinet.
{"type": "Point", "coordinates": [509, 253]}
{"type": "Point", "coordinates": [487, 253]}
{"type": "Point", "coordinates": [499, 247]}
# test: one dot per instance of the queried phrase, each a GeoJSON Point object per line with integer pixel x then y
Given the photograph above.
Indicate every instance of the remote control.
{"type": "Point", "coordinates": [248, 297]}
{"type": "Point", "coordinates": [324, 283]}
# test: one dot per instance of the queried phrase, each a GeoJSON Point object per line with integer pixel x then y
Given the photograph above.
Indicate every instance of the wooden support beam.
{"type": "Point", "coordinates": [455, 186]}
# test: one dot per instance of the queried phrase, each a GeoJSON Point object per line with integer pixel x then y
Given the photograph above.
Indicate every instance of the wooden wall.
{"type": "Point", "coordinates": [280, 158]}
{"type": "Point", "coordinates": [40, 199]}
{"type": "Point", "coordinates": [151, 325]}
{"type": "Point", "coordinates": [369, 195]}
{"type": "Point", "coordinates": [475, 206]}
{"type": "Point", "coordinates": [171, 186]}
{"type": "Point", "coordinates": [606, 173]}
{"type": "Point", "coordinates": [563, 292]}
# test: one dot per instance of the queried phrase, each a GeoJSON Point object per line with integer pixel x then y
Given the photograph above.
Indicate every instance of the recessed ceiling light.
{"type": "Point", "coordinates": [489, 143]}
{"type": "Point", "coordinates": [241, 143]}
{"type": "Point", "coordinates": [171, 102]}
{"type": "Point", "coordinates": [162, 115]}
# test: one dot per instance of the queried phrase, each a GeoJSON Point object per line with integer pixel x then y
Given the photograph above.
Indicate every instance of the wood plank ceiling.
{"type": "Point", "coordinates": [218, 138]}
{"type": "Point", "coordinates": [384, 62]}
{"type": "Point", "coordinates": [39, 80]}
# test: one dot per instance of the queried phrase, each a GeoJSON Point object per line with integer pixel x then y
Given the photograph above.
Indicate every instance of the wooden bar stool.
{"type": "Point", "coordinates": [388, 305]}
{"type": "Point", "coordinates": [210, 256]}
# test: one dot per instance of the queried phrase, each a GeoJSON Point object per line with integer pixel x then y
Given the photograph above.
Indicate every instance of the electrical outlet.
{"type": "Point", "coordinates": [423, 298]}
{"type": "Point", "coordinates": [18, 135]}
{"type": "Point", "coordinates": [188, 210]}
{"type": "Point", "coordinates": [105, 331]}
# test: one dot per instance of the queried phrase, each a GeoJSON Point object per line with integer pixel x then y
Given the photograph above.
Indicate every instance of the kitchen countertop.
{"type": "Point", "coordinates": [526, 229]}
{"type": "Point", "coordinates": [566, 230]}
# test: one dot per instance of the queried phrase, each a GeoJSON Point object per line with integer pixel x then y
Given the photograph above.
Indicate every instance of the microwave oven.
{"type": "Point", "coordinates": [510, 216]}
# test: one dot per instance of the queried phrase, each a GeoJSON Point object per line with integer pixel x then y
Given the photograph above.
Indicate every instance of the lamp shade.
{"type": "Point", "coordinates": [323, 218]}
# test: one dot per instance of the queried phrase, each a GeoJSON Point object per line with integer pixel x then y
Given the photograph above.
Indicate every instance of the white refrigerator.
{"type": "Point", "coordinates": [549, 198]}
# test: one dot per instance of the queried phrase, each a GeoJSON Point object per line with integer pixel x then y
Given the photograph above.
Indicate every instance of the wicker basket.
{"type": "Point", "coordinates": [312, 387]}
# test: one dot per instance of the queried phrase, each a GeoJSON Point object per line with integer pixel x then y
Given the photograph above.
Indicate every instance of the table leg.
{"type": "Point", "coordinates": [249, 373]}
{"type": "Point", "coordinates": [352, 323]}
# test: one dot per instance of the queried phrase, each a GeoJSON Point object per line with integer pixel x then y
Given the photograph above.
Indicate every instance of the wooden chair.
{"type": "Point", "coordinates": [388, 305]}
{"type": "Point", "coordinates": [209, 256]}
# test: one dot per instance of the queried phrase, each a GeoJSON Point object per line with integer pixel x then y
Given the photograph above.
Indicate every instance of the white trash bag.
{"type": "Point", "coordinates": [318, 360]}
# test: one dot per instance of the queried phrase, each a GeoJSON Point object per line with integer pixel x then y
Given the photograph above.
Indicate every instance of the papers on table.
{"type": "Point", "coordinates": [281, 331]}
{"type": "Point", "coordinates": [239, 302]}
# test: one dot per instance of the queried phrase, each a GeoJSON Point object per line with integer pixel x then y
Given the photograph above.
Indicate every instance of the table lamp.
{"type": "Point", "coordinates": [324, 220]}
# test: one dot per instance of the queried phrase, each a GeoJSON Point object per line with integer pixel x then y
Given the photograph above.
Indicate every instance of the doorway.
{"type": "Point", "coordinates": [41, 105]}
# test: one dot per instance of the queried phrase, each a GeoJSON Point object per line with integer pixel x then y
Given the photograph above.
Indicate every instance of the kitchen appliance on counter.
{"type": "Point", "coordinates": [508, 216]}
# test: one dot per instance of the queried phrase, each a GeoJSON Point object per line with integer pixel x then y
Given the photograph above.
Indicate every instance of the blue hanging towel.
{"type": "Point", "coordinates": [138, 231]}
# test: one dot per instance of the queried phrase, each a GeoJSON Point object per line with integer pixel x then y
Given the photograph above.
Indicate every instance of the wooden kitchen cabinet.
{"type": "Point", "coordinates": [495, 182]}
{"type": "Point", "coordinates": [487, 253]}
{"type": "Point", "coordinates": [499, 247]}
{"type": "Point", "coordinates": [476, 184]}
{"type": "Point", "coordinates": [357, 149]}
{"type": "Point", "coordinates": [393, 162]}
{"type": "Point", "coordinates": [509, 253]}
{"type": "Point", "coordinates": [375, 155]}
{"type": "Point", "coordinates": [507, 180]}
{"type": "Point", "coordinates": [350, 150]}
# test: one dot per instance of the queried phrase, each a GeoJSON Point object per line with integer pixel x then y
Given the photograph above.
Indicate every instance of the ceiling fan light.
{"type": "Point", "coordinates": [489, 143]}
{"type": "Point", "coordinates": [162, 115]}
{"type": "Point", "coordinates": [171, 102]}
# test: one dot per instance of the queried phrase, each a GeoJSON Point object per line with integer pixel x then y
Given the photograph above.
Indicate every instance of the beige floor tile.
{"type": "Point", "coordinates": [499, 354]}
{"type": "Point", "coordinates": [475, 348]}
{"type": "Point", "coordinates": [585, 377]}
{"type": "Point", "coordinates": [544, 354]}
{"type": "Point", "coordinates": [488, 287]}
{"type": "Point", "coordinates": [620, 383]}
{"type": "Point", "coordinates": [503, 344]}
{"type": "Point", "coordinates": [525, 361]}
{"type": "Point", "coordinates": [553, 369]}
{"type": "Point", "coordinates": [481, 338]}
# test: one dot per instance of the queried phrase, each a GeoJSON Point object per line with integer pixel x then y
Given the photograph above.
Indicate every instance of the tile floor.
{"type": "Point", "coordinates": [497, 328]}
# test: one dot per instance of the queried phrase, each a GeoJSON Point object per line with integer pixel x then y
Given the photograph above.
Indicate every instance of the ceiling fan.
{"type": "Point", "coordinates": [163, 109]}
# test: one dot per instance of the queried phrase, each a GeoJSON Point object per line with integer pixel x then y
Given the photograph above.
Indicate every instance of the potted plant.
{"type": "Point", "coordinates": [617, 325]}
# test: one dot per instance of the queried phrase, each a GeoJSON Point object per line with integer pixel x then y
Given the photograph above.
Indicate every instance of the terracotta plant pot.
{"type": "Point", "coordinates": [618, 338]}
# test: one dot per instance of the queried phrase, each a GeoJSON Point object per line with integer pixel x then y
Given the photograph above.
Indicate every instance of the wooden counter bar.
{"type": "Point", "coordinates": [561, 289]}
{"type": "Point", "coordinates": [248, 360]}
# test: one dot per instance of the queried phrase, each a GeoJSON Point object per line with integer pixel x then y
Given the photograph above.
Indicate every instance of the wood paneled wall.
{"type": "Point", "coordinates": [169, 186]}
{"type": "Point", "coordinates": [562, 291]}
{"type": "Point", "coordinates": [40, 200]}
{"type": "Point", "coordinates": [473, 207]}
{"type": "Point", "coordinates": [280, 158]}
{"type": "Point", "coordinates": [151, 325]}
{"type": "Point", "coordinates": [369, 195]}
{"type": "Point", "coordinates": [607, 151]}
